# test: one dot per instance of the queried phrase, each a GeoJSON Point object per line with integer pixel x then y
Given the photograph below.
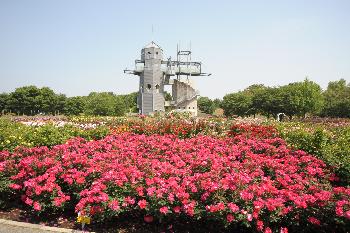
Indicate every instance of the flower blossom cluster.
{"type": "Point", "coordinates": [236, 179]}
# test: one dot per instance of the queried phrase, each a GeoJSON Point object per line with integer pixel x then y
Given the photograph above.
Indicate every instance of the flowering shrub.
{"type": "Point", "coordinates": [254, 181]}
{"type": "Point", "coordinates": [254, 131]}
{"type": "Point", "coordinates": [327, 142]}
{"type": "Point", "coordinates": [13, 134]}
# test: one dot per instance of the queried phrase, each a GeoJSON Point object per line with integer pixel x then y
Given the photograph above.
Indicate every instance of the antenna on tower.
{"type": "Point", "coordinates": [152, 33]}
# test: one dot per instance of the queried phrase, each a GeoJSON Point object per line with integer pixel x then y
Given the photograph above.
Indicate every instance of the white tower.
{"type": "Point", "coordinates": [155, 72]}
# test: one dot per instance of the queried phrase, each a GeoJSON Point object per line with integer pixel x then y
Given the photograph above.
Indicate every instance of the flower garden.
{"type": "Point", "coordinates": [246, 174]}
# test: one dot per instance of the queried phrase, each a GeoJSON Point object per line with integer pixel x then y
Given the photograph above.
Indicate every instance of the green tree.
{"type": "Point", "coordinates": [130, 102]}
{"type": "Point", "coordinates": [217, 103]}
{"type": "Point", "coordinates": [74, 105]}
{"type": "Point", "coordinates": [101, 104]}
{"type": "Point", "coordinates": [337, 99]}
{"type": "Point", "coordinates": [24, 100]}
{"type": "Point", "coordinates": [300, 98]}
{"type": "Point", "coordinates": [267, 101]}
{"type": "Point", "coordinates": [3, 102]}
{"type": "Point", "coordinates": [239, 103]}
{"type": "Point", "coordinates": [60, 103]}
{"type": "Point", "coordinates": [122, 105]}
{"type": "Point", "coordinates": [206, 105]}
{"type": "Point", "coordinates": [47, 101]}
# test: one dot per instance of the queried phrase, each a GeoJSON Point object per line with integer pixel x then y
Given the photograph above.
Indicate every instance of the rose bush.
{"type": "Point", "coordinates": [252, 180]}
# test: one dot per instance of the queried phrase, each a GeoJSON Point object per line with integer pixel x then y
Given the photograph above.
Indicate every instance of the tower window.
{"type": "Point", "coordinates": [149, 53]}
{"type": "Point", "coordinates": [157, 53]}
{"type": "Point", "coordinates": [149, 86]}
{"type": "Point", "coordinates": [157, 88]}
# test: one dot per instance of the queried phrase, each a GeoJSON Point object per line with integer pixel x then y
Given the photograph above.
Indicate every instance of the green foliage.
{"type": "Point", "coordinates": [329, 144]}
{"type": "Point", "coordinates": [206, 105]}
{"type": "Point", "coordinates": [30, 100]}
{"type": "Point", "coordinates": [337, 99]}
{"type": "Point", "coordinates": [268, 101]}
{"type": "Point", "coordinates": [130, 103]}
{"type": "Point", "coordinates": [14, 134]}
{"type": "Point", "coordinates": [3, 102]}
{"type": "Point", "coordinates": [74, 105]}
{"type": "Point", "coordinates": [101, 104]}
{"type": "Point", "coordinates": [300, 98]}
{"type": "Point", "coordinates": [239, 103]}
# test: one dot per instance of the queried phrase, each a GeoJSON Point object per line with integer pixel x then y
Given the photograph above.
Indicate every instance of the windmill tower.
{"type": "Point", "coordinates": [154, 73]}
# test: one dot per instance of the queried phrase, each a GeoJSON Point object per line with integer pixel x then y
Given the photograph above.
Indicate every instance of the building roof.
{"type": "Point", "coordinates": [152, 45]}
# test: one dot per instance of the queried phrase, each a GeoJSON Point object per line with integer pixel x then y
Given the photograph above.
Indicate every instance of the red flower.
{"type": "Point", "coordinates": [142, 204]}
{"type": "Point", "coordinates": [177, 209]}
{"type": "Point", "coordinates": [164, 210]}
{"type": "Point", "coordinates": [314, 221]}
{"type": "Point", "coordinates": [36, 206]}
{"type": "Point", "coordinates": [230, 218]}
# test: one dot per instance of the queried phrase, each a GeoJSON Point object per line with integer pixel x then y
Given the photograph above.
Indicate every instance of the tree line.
{"type": "Point", "coordinates": [295, 99]}
{"type": "Point", "coordinates": [31, 100]}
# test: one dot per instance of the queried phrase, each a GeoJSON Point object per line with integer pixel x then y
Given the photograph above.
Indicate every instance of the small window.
{"type": "Point", "coordinates": [189, 107]}
{"type": "Point", "coordinates": [193, 107]}
{"type": "Point", "coordinates": [149, 86]}
{"type": "Point", "coordinates": [157, 53]}
{"type": "Point", "coordinates": [157, 86]}
{"type": "Point", "coordinates": [179, 107]}
{"type": "Point", "coordinates": [149, 52]}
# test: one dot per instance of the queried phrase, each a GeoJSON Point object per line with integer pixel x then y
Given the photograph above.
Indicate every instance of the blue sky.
{"type": "Point", "coordinates": [79, 46]}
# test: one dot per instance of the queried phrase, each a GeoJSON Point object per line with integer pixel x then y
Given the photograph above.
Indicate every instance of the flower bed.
{"type": "Point", "coordinates": [254, 181]}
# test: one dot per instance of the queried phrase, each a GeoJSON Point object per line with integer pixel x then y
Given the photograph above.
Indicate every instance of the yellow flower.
{"type": "Point", "coordinates": [84, 219]}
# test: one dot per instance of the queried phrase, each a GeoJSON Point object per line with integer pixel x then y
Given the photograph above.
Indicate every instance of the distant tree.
{"type": "Point", "coordinates": [74, 105]}
{"type": "Point", "coordinates": [60, 103]}
{"type": "Point", "coordinates": [251, 91]}
{"type": "Point", "coordinates": [101, 104]}
{"type": "Point", "coordinates": [337, 99]}
{"type": "Point", "coordinates": [130, 102]}
{"type": "Point", "coordinates": [205, 105]}
{"type": "Point", "coordinates": [217, 103]}
{"type": "Point", "coordinates": [268, 101]}
{"type": "Point", "coordinates": [24, 100]}
{"type": "Point", "coordinates": [105, 104]}
{"type": "Point", "coordinates": [3, 102]}
{"type": "Point", "coordinates": [239, 103]}
{"type": "Point", "coordinates": [47, 101]}
{"type": "Point", "coordinates": [121, 106]}
{"type": "Point", "coordinates": [300, 98]}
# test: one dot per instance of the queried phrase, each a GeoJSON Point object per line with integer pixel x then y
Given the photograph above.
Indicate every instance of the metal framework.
{"type": "Point", "coordinates": [154, 73]}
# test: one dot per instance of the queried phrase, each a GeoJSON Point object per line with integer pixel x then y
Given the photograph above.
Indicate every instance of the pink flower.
{"type": "Point", "coordinates": [177, 209]}
{"type": "Point", "coordinates": [259, 225]}
{"type": "Point", "coordinates": [15, 186]}
{"type": "Point", "coordinates": [249, 217]}
{"type": "Point", "coordinates": [142, 204]}
{"type": "Point", "coordinates": [314, 220]}
{"type": "Point", "coordinates": [268, 230]}
{"type": "Point", "coordinates": [36, 206]}
{"type": "Point", "coordinates": [164, 210]}
{"type": "Point", "coordinates": [114, 205]}
{"type": "Point", "coordinates": [284, 230]}
{"type": "Point", "coordinates": [347, 214]}
{"type": "Point", "coordinates": [233, 207]}
{"type": "Point", "coordinates": [230, 218]}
